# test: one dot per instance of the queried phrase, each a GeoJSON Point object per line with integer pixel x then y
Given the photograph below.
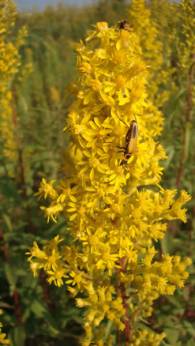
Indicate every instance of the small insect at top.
{"type": "Point", "coordinates": [124, 25]}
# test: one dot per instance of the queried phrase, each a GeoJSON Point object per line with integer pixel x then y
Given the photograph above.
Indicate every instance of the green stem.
{"type": "Point", "coordinates": [187, 127]}
{"type": "Point", "coordinates": [126, 320]}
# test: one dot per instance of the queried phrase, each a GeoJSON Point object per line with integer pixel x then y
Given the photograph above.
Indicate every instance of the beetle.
{"type": "Point", "coordinates": [124, 25]}
{"type": "Point", "coordinates": [130, 146]}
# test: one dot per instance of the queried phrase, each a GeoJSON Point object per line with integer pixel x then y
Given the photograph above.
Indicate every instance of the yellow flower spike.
{"type": "Point", "coordinates": [9, 66]}
{"type": "Point", "coordinates": [141, 21]}
{"type": "Point", "coordinates": [115, 217]}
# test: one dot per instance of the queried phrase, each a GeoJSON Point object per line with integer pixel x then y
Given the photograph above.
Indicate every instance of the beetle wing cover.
{"type": "Point", "coordinates": [132, 147]}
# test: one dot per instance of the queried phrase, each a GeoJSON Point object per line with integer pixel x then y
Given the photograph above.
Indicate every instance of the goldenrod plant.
{"type": "Point", "coordinates": [9, 62]}
{"type": "Point", "coordinates": [154, 52]}
{"type": "Point", "coordinates": [113, 200]}
{"type": "Point", "coordinates": [21, 297]}
{"type": "Point", "coordinates": [186, 47]}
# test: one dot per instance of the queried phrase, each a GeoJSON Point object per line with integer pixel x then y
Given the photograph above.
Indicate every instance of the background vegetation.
{"type": "Point", "coordinates": [33, 312]}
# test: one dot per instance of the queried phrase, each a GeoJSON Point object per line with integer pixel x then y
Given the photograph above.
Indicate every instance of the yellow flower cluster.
{"type": "Point", "coordinates": [9, 64]}
{"type": "Point", "coordinates": [3, 338]}
{"type": "Point", "coordinates": [146, 28]}
{"type": "Point", "coordinates": [147, 337]}
{"type": "Point", "coordinates": [115, 207]}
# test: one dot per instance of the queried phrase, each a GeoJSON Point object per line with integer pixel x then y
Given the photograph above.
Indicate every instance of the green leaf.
{"type": "Point", "coordinates": [19, 336]}
{"type": "Point", "coordinates": [38, 309]}
{"type": "Point", "coordinates": [172, 335]}
{"type": "Point", "coordinates": [190, 342]}
{"type": "Point", "coordinates": [11, 276]}
{"type": "Point", "coordinates": [8, 222]}
{"type": "Point", "coordinates": [170, 150]}
{"type": "Point", "coordinates": [189, 328]}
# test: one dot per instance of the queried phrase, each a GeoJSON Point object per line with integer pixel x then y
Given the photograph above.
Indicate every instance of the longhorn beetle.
{"type": "Point", "coordinates": [130, 142]}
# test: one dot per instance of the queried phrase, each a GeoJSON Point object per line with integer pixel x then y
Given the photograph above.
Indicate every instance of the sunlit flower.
{"type": "Point", "coordinates": [116, 209]}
